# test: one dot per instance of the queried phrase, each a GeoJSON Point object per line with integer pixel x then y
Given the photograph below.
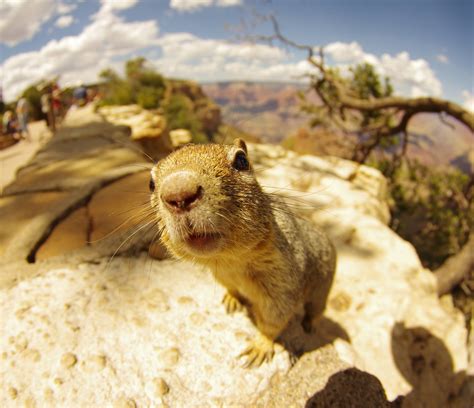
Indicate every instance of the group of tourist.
{"type": "Point", "coordinates": [16, 125]}
{"type": "Point", "coordinates": [53, 106]}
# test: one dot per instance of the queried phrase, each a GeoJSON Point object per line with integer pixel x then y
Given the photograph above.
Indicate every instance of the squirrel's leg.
{"type": "Point", "coordinates": [312, 312]}
{"type": "Point", "coordinates": [232, 302]}
{"type": "Point", "coordinates": [261, 349]}
{"type": "Point", "coordinates": [314, 308]}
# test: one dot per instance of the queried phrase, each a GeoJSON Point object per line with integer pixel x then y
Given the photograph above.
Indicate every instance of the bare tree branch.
{"type": "Point", "coordinates": [455, 268]}
{"type": "Point", "coordinates": [345, 100]}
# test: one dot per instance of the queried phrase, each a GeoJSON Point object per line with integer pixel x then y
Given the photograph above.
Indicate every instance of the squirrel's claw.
{"type": "Point", "coordinates": [260, 351]}
{"type": "Point", "coordinates": [231, 303]}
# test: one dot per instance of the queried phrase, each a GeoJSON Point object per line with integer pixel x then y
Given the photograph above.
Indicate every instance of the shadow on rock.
{"type": "Point", "coordinates": [351, 388]}
{"type": "Point", "coordinates": [426, 364]}
{"type": "Point", "coordinates": [325, 331]}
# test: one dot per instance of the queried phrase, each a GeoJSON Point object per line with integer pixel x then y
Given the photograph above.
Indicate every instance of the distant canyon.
{"type": "Point", "coordinates": [270, 111]}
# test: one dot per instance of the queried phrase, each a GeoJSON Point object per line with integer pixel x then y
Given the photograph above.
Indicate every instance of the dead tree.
{"type": "Point", "coordinates": [456, 268]}
{"type": "Point", "coordinates": [343, 109]}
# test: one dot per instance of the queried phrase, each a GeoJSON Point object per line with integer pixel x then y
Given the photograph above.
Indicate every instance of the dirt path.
{"type": "Point", "coordinates": [13, 157]}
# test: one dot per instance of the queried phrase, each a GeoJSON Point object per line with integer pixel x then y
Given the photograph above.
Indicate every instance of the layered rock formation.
{"type": "Point", "coordinates": [105, 325]}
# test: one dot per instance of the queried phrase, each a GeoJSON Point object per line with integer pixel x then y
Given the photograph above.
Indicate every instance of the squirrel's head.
{"type": "Point", "coordinates": [207, 200]}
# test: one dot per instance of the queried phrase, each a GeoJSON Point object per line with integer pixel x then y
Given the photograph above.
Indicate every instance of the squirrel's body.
{"type": "Point", "coordinates": [212, 211]}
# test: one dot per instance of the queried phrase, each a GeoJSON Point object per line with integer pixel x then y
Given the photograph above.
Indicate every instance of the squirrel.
{"type": "Point", "coordinates": [211, 210]}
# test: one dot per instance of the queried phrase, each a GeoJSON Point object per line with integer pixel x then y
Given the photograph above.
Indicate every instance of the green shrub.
{"type": "Point", "coordinates": [142, 85]}
{"type": "Point", "coordinates": [430, 209]}
{"type": "Point", "coordinates": [151, 79]}
{"type": "Point", "coordinates": [149, 97]}
{"type": "Point", "coordinates": [180, 114]}
{"type": "Point", "coordinates": [145, 87]}
{"type": "Point", "coordinates": [33, 96]}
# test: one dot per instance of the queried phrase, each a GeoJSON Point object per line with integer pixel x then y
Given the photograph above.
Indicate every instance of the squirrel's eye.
{"type": "Point", "coordinates": [240, 162]}
{"type": "Point", "coordinates": [151, 185]}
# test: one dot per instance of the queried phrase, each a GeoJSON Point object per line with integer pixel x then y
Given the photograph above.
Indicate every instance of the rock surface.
{"type": "Point", "coordinates": [180, 137]}
{"type": "Point", "coordinates": [86, 328]}
{"type": "Point", "coordinates": [84, 156]}
{"type": "Point", "coordinates": [13, 157]}
{"type": "Point", "coordinates": [148, 128]}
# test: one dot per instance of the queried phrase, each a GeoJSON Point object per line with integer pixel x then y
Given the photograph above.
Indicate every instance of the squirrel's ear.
{"type": "Point", "coordinates": [240, 143]}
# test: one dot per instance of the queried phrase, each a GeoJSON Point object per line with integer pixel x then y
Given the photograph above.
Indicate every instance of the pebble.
{"type": "Point", "coordinates": [341, 302]}
{"type": "Point", "coordinates": [20, 313]}
{"type": "Point", "coordinates": [58, 381]}
{"type": "Point", "coordinates": [99, 361]}
{"type": "Point", "coordinates": [240, 335]}
{"type": "Point", "coordinates": [161, 387]}
{"type": "Point", "coordinates": [219, 326]}
{"type": "Point", "coordinates": [197, 318]}
{"type": "Point", "coordinates": [48, 394]}
{"type": "Point", "coordinates": [30, 403]}
{"type": "Point", "coordinates": [157, 300]}
{"type": "Point", "coordinates": [20, 343]}
{"type": "Point", "coordinates": [32, 355]}
{"type": "Point", "coordinates": [123, 402]}
{"type": "Point", "coordinates": [140, 321]}
{"type": "Point", "coordinates": [68, 360]}
{"type": "Point", "coordinates": [169, 357]}
{"type": "Point", "coordinates": [13, 393]}
{"type": "Point", "coordinates": [94, 364]}
{"type": "Point", "coordinates": [185, 300]}
{"type": "Point", "coordinates": [205, 386]}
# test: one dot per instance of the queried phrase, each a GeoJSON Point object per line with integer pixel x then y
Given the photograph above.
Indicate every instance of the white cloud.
{"type": "Point", "coordinates": [109, 5]}
{"type": "Point", "coordinates": [189, 5]}
{"type": "Point", "coordinates": [412, 77]}
{"type": "Point", "coordinates": [79, 57]}
{"type": "Point", "coordinates": [186, 47]}
{"type": "Point", "coordinates": [193, 5]}
{"type": "Point", "coordinates": [109, 37]}
{"type": "Point", "coordinates": [64, 21]}
{"type": "Point", "coordinates": [468, 100]}
{"type": "Point", "coordinates": [228, 3]}
{"type": "Point", "coordinates": [345, 52]}
{"type": "Point", "coordinates": [187, 56]}
{"type": "Point", "coordinates": [20, 20]}
{"type": "Point", "coordinates": [63, 8]}
{"type": "Point", "coordinates": [442, 58]}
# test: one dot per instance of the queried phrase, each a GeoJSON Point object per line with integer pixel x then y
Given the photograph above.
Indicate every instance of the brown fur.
{"type": "Point", "coordinates": [268, 259]}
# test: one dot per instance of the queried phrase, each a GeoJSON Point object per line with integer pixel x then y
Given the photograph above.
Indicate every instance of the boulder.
{"type": "Point", "coordinates": [106, 325]}
{"type": "Point", "coordinates": [147, 127]}
{"type": "Point", "coordinates": [180, 137]}
{"type": "Point", "coordinates": [85, 155]}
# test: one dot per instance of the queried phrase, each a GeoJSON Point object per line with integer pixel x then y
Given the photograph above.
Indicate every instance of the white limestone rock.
{"type": "Point", "coordinates": [139, 332]}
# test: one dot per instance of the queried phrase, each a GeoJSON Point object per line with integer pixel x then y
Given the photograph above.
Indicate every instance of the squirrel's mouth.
{"type": "Point", "coordinates": [203, 242]}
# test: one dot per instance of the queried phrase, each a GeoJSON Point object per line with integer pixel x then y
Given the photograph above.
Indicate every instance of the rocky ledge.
{"type": "Point", "coordinates": [103, 324]}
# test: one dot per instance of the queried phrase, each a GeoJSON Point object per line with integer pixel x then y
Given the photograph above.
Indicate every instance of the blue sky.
{"type": "Point", "coordinates": [426, 46]}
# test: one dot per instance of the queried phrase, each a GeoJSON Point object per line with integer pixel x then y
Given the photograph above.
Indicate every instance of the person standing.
{"type": "Point", "coordinates": [22, 112]}
{"type": "Point", "coordinates": [80, 95]}
{"type": "Point", "coordinates": [9, 124]}
{"type": "Point", "coordinates": [47, 109]}
{"type": "Point", "coordinates": [2, 103]}
{"type": "Point", "coordinates": [56, 102]}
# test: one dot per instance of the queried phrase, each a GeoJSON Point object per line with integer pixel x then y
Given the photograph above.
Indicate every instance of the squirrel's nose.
{"type": "Point", "coordinates": [181, 191]}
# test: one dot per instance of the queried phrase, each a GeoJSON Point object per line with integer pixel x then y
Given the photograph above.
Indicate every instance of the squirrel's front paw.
{"type": "Point", "coordinates": [231, 303]}
{"type": "Point", "coordinates": [259, 351]}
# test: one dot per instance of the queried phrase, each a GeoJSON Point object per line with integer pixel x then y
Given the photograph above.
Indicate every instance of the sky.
{"type": "Point", "coordinates": [424, 46]}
